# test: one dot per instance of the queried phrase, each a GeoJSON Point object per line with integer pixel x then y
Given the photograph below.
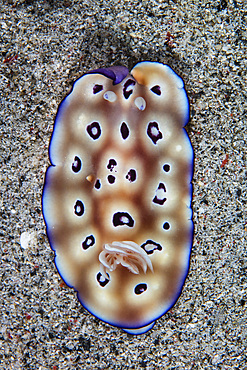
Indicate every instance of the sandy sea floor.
{"type": "Point", "coordinates": [45, 46]}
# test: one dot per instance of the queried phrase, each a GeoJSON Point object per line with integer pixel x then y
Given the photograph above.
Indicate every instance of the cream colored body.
{"type": "Point", "coordinates": [117, 302]}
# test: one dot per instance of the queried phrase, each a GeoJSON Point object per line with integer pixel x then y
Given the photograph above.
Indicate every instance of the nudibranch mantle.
{"type": "Point", "coordinates": [117, 196]}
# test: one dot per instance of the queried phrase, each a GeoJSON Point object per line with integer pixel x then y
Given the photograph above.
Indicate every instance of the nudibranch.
{"type": "Point", "coordinates": [117, 196]}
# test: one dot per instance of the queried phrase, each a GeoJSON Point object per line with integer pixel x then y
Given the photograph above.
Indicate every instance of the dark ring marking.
{"type": "Point", "coordinates": [97, 88]}
{"type": "Point", "coordinates": [79, 208]}
{"type": "Point", "coordinates": [166, 167]}
{"type": "Point", "coordinates": [160, 199]}
{"type": "Point", "coordinates": [154, 132]}
{"type": "Point", "coordinates": [131, 175]}
{"type": "Point", "coordinates": [111, 179]}
{"type": "Point", "coordinates": [122, 218]}
{"type": "Point", "coordinates": [102, 280]}
{"type": "Point", "coordinates": [76, 165]}
{"type": "Point", "coordinates": [88, 242]}
{"type": "Point", "coordinates": [97, 184]}
{"type": "Point", "coordinates": [140, 288]}
{"type": "Point", "coordinates": [94, 130]}
{"type": "Point", "coordinates": [156, 246]}
{"type": "Point", "coordinates": [124, 130]}
{"type": "Point", "coordinates": [166, 226]}
{"type": "Point", "coordinates": [111, 164]}
{"type": "Point", "coordinates": [156, 90]}
{"type": "Point", "coordinates": [127, 91]}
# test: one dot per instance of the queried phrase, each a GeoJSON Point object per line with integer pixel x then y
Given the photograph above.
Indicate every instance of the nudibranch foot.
{"type": "Point", "coordinates": [117, 195]}
{"type": "Point", "coordinates": [141, 330]}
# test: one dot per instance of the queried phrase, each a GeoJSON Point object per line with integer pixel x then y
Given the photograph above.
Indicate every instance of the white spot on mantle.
{"type": "Point", "coordinates": [110, 96]}
{"type": "Point", "coordinates": [140, 103]}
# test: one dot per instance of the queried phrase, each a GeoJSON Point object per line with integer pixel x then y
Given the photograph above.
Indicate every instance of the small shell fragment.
{"type": "Point", "coordinates": [117, 196]}
{"type": "Point", "coordinates": [26, 239]}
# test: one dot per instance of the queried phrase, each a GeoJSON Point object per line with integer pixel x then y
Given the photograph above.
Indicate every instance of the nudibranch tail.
{"type": "Point", "coordinates": [142, 330]}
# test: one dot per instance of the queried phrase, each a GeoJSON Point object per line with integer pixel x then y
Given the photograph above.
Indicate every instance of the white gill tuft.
{"type": "Point", "coordinates": [126, 253]}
